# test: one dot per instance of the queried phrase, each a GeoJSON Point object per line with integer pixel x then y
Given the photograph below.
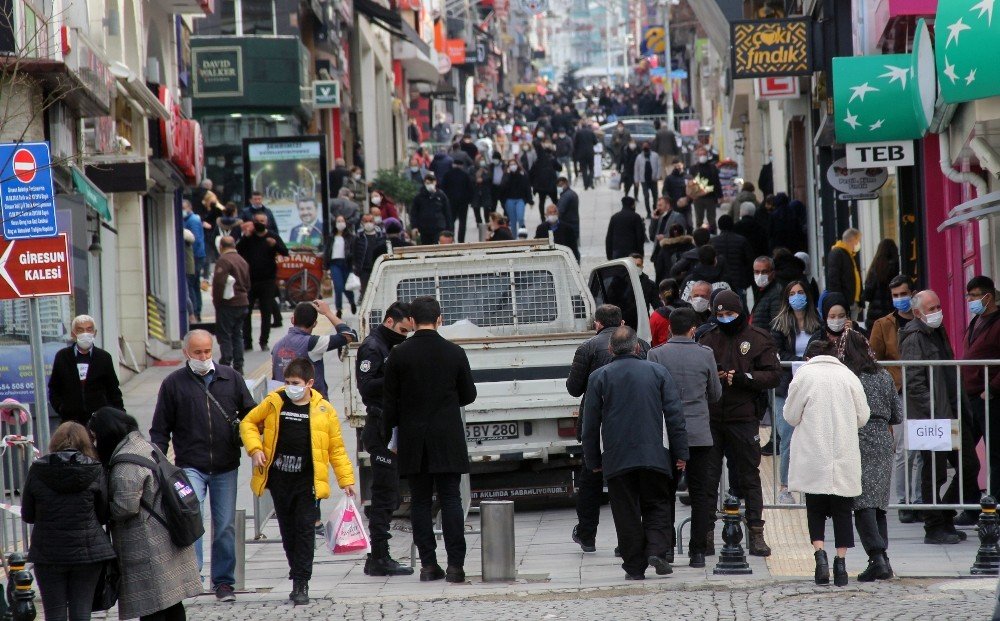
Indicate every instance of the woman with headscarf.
{"type": "Point", "coordinates": [156, 575]}
{"type": "Point", "coordinates": [827, 405]}
{"type": "Point", "coordinates": [834, 317]}
{"type": "Point", "coordinates": [877, 451]}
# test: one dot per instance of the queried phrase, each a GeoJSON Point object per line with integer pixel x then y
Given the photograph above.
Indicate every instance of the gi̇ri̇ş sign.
{"type": "Point", "coordinates": [27, 205]}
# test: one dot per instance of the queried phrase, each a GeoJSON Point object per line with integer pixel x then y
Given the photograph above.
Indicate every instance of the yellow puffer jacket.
{"type": "Point", "coordinates": [327, 443]}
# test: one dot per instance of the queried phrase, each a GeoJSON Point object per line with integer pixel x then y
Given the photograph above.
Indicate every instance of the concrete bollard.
{"type": "Point", "coordinates": [241, 550]}
{"type": "Point", "coordinates": [497, 536]}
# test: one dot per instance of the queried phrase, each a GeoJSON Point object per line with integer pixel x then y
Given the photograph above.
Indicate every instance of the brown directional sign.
{"type": "Point", "coordinates": [771, 47]}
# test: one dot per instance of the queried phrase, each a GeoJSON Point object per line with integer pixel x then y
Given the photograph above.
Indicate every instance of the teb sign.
{"type": "Point", "coordinates": [771, 47]}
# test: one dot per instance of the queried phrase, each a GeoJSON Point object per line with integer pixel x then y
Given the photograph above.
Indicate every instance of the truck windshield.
{"type": "Point", "coordinates": [489, 299]}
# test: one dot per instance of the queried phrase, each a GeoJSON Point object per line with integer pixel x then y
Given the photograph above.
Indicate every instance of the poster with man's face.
{"type": "Point", "coordinates": [290, 173]}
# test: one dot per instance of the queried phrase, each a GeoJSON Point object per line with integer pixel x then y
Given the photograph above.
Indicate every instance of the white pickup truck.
{"type": "Point", "coordinates": [519, 309]}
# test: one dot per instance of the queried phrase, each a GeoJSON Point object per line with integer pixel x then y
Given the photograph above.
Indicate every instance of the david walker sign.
{"type": "Point", "coordinates": [771, 47]}
{"type": "Point", "coordinates": [218, 71]}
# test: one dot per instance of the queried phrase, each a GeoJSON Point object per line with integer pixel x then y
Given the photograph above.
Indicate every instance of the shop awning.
{"type": "Point", "coordinates": [380, 15]}
{"type": "Point", "coordinates": [972, 210]}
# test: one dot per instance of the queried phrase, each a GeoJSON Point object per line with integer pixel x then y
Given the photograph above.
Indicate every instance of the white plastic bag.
{"type": "Point", "coordinates": [353, 283]}
{"type": "Point", "coordinates": [229, 291]}
{"type": "Point", "coordinates": [345, 534]}
{"type": "Point", "coordinates": [615, 181]}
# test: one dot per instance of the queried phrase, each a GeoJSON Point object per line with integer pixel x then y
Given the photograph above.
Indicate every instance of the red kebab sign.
{"type": "Point", "coordinates": [34, 267]}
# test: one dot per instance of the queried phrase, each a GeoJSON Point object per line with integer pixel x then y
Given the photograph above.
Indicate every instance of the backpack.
{"type": "Point", "coordinates": [181, 508]}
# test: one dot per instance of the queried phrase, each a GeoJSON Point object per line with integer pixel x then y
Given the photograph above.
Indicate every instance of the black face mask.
{"type": "Point", "coordinates": [259, 227]}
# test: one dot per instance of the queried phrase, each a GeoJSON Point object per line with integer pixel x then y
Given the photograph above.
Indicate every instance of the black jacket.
{"type": "Point", "coordinates": [738, 256]}
{"type": "Point", "coordinates": [430, 213]}
{"type": "Point", "coordinates": [562, 235]}
{"type": "Point", "coordinates": [584, 142]}
{"type": "Point", "coordinates": [516, 186]}
{"type": "Point", "coordinates": [628, 403]}
{"type": "Point", "coordinates": [367, 248]}
{"type": "Point", "coordinates": [336, 180]}
{"type": "Point", "coordinates": [675, 186]}
{"type": "Point", "coordinates": [370, 371]}
{"type": "Point", "coordinates": [458, 187]}
{"type": "Point", "coordinates": [66, 497]}
{"type": "Point", "coordinates": [750, 228]}
{"type": "Point", "coordinates": [785, 229]}
{"type": "Point", "coordinates": [260, 255]}
{"type": "Point", "coordinates": [569, 208]}
{"type": "Point", "coordinates": [750, 350]}
{"type": "Point", "coordinates": [708, 273]}
{"type": "Point", "coordinates": [840, 268]}
{"type": "Point", "coordinates": [202, 437]}
{"type": "Point", "coordinates": [767, 304]}
{"type": "Point", "coordinates": [428, 381]}
{"type": "Point", "coordinates": [543, 173]}
{"type": "Point", "coordinates": [877, 298]}
{"type": "Point", "coordinates": [626, 163]}
{"type": "Point", "coordinates": [75, 400]}
{"type": "Point", "coordinates": [626, 234]}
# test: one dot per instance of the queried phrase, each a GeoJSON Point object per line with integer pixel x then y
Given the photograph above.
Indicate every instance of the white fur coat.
{"type": "Point", "coordinates": [827, 405]}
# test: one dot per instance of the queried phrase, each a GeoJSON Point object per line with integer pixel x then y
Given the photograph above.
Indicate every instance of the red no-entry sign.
{"type": "Point", "coordinates": [34, 267]}
{"type": "Point", "coordinates": [25, 165]}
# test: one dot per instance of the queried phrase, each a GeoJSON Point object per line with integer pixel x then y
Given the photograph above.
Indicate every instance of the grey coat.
{"type": "Point", "coordinates": [918, 341]}
{"type": "Point", "coordinates": [627, 405]}
{"type": "Point", "coordinates": [155, 573]}
{"type": "Point", "coordinates": [694, 371]}
{"type": "Point", "coordinates": [875, 440]}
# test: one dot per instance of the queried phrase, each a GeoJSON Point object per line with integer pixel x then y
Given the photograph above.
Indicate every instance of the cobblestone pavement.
{"type": "Point", "coordinates": [896, 600]}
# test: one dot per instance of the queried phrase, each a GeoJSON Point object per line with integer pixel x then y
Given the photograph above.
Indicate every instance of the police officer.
{"type": "Point", "coordinates": [372, 354]}
{"type": "Point", "coordinates": [591, 355]}
{"type": "Point", "coordinates": [748, 365]}
{"type": "Point", "coordinates": [300, 342]}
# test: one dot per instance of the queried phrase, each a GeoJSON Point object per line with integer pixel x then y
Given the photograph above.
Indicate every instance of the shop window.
{"type": "Point", "coordinates": [258, 17]}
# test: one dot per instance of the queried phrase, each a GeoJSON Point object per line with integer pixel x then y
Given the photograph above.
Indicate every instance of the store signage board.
{"type": "Point", "coordinates": [968, 45]}
{"type": "Point", "coordinates": [866, 154]}
{"type": "Point", "coordinates": [771, 47]}
{"type": "Point", "coordinates": [27, 200]}
{"type": "Point", "coordinates": [776, 88]}
{"type": "Point", "coordinates": [32, 268]}
{"type": "Point", "coordinates": [855, 181]}
{"type": "Point", "coordinates": [326, 94]}
{"type": "Point", "coordinates": [218, 71]}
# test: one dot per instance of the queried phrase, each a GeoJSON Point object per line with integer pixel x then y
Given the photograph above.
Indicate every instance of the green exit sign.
{"type": "Point", "coordinates": [326, 94]}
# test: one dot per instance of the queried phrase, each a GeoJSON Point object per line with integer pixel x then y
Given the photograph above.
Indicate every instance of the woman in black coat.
{"type": "Point", "coordinates": [66, 498]}
{"type": "Point", "coordinates": [543, 175]}
{"type": "Point", "coordinates": [884, 267]}
{"type": "Point", "coordinates": [626, 166]}
{"type": "Point", "coordinates": [515, 191]}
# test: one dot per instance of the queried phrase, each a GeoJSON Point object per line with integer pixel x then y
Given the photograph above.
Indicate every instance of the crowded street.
{"type": "Point", "coordinates": [555, 309]}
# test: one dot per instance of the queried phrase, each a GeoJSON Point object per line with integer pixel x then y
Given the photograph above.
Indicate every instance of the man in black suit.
{"type": "Point", "coordinates": [427, 382]}
{"type": "Point", "coordinates": [83, 376]}
{"type": "Point", "coordinates": [583, 153]}
{"type": "Point", "coordinates": [626, 232]}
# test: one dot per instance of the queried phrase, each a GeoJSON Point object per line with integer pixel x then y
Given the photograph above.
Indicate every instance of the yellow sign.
{"type": "Point", "coordinates": [772, 47]}
{"type": "Point", "coordinates": [656, 40]}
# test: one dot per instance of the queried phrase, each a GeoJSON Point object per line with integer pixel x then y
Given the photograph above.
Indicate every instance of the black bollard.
{"type": "Point", "coordinates": [988, 557]}
{"type": "Point", "coordinates": [23, 606]}
{"type": "Point", "coordinates": [732, 558]}
{"type": "Point", "coordinates": [16, 561]}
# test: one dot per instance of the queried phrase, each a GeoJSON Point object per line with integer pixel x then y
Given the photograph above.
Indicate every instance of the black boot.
{"type": "Point", "coordinates": [888, 566]}
{"type": "Point", "coordinates": [822, 567]}
{"type": "Point", "coordinates": [756, 545]}
{"type": "Point", "coordinates": [839, 571]}
{"type": "Point", "coordinates": [300, 592]}
{"type": "Point", "coordinates": [710, 543]}
{"type": "Point", "coordinates": [384, 565]}
{"type": "Point", "coordinates": [878, 567]}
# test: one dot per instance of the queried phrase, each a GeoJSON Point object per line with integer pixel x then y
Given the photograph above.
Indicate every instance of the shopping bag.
{"type": "Point", "coordinates": [345, 534]}
{"type": "Point", "coordinates": [353, 283]}
{"type": "Point", "coordinates": [615, 181]}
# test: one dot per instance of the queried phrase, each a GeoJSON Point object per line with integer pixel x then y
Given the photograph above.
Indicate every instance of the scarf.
{"type": "Point", "coordinates": [857, 274]}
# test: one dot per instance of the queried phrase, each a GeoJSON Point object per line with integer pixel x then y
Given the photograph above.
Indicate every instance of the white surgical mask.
{"type": "Point", "coordinates": [512, 169]}
{"type": "Point", "coordinates": [376, 200]}
{"type": "Point", "coordinates": [414, 168]}
{"type": "Point", "coordinates": [356, 177]}
{"type": "Point", "coordinates": [378, 219]}
{"type": "Point", "coordinates": [700, 305]}
{"type": "Point", "coordinates": [295, 393]}
{"type": "Point", "coordinates": [341, 226]}
{"type": "Point", "coordinates": [201, 367]}
{"type": "Point", "coordinates": [933, 320]}
{"type": "Point", "coordinates": [85, 341]}
{"type": "Point", "coordinates": [369, 227]}
{"type": "Point", "coordinates": [552, 219]}
{"type": "Point", "coordinates": [857, 247]}
{"type": "Point", "coordinates": [702, 159]}
{"type": "Point", "coordinates": [836, 325]}
{"type": "Point", "coordinates": [761, 280]}
{"type": "Point", "coordinates": [430, 186]}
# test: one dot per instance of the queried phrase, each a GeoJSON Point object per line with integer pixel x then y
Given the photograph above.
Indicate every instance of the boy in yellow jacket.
{"type": "Point", "coordinates": [291, 437]}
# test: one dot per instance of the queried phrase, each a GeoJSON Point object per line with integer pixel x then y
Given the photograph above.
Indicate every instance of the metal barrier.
{"type": "Point", "coordinates": [963, 417]}
{"type": "Point", "coordinates": [17, 451]}
{"type": "Point", "coordinates": [263, 505]}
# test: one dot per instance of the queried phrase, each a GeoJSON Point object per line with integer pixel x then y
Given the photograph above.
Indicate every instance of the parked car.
{"type": "Point", "coordinates": [641, 129]}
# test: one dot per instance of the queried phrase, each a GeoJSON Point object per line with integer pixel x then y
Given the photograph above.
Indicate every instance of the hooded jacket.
{"type": "Point", "coordinates": [259, 430]}
{"type": "Point", "coordinates": [66, 497]}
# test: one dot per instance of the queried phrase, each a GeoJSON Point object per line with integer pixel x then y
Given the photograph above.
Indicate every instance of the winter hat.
{"type": "Point", "coordinates": [831, 299]}
{"type": "Point", "coordinates": [393, 226]}
{"type": "Point", "coordinates": [727, 301]}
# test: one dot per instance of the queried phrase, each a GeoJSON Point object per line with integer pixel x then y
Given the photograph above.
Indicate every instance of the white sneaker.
{"type": "Point", "coordinates": [785, 497]}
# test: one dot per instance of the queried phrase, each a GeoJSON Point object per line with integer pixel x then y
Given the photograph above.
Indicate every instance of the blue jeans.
{"type": "Point", "coordinates": [514, 208]}
{"type": "Point", "coordinates": [785, 436]}
{"type": "Point", "coordinates": [338, 274]}
{"type": "Point", "coordinates": [222, 491]}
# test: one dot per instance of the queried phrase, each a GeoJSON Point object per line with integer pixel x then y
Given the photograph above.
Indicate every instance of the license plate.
{"type": "Point", "coordinates": [489, 432]}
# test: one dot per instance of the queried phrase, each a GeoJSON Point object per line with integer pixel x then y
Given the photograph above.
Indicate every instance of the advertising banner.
{"type": "Point", "coordinates": [291, 174]}
{"type": "Point", "coordinates": [771, 47]}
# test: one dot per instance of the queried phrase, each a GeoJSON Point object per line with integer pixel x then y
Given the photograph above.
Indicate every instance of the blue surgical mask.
{"type": "Point", "coordinates": [902, 304]}
{"type": "Point", "coordinates": [726, 318]}
{"type": "Point", "coordinates": [976, 307]}
{"type": "Point", "coordinates": [798, 301]}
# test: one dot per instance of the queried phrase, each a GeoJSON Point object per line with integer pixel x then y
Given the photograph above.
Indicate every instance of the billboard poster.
{"type": "Point", "coordinates": [291, 175]}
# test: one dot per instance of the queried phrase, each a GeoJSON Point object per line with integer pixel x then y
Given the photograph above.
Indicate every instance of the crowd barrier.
{"type": "Point", "coordinates": [17, 451]}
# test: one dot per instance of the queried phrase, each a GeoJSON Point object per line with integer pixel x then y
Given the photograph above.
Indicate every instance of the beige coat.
{"type": "Point", "coordinates": [827, 405]}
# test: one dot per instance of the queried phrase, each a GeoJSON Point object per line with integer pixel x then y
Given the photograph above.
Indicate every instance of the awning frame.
{"type": "Point", "coordinates": [977, 208]}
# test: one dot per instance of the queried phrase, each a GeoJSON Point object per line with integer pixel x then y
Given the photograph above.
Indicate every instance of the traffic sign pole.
{"type": "Point", "coordinates": [41, 407]}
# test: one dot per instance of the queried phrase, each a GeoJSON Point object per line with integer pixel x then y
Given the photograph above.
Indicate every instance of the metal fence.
{"type": "Point", "coordinates": [964, 418]}
{"type": "Point", "coordinates": [17, 451]}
